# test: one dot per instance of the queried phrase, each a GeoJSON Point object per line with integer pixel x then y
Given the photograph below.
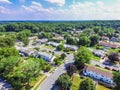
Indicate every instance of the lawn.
{"type": "Point", "coordinates": [76, 82]}
{"type": "Point", "coordinates": [100, 87]}
{"type": "Point", "coordinates": [48, 47]}
{"type": "Point", "coordinates": [95, 58]}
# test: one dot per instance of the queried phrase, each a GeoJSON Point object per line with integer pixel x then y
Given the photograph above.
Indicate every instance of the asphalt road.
{"type": "Point", "coordinates": [49, 83]}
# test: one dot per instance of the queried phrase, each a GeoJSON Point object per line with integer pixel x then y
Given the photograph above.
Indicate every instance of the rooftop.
{"type": "Point", "coordinates": [98, 71]}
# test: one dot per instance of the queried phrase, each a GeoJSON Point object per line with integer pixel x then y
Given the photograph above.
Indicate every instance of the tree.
{"type": "Point", "coordinates": [71, 69]}
{"type": "Point", "coordinates": [82, 56]}
{"type": "Point", "coordinates": [71, 41]}
{"type": "Point", "coordinates": [87, 84]}
{"type": "Point", "coordinates": [64, 82]}
{"type": "Point", "coordinates": [60, 47]}
{"type": "Point", "coordinates": [2, 29]}
{"type": "Point", "coordinates": [62, 56]}
{"type": "Point", "coordinates": [6, 41]}
{"type": "Point", "coordinates": [84, 41]}
{"type": "Point", "coordinates": [94, 40]}
{"type": "Point", "coordinates": [114, 57]}
{"type": "Point", "coordinates": [116, 79]}
{"type": "Point", "coordinates": [23, 36]}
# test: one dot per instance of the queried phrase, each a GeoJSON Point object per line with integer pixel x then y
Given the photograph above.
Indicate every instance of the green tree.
{"type": "Point", "coordinates": [71, 69]}
{"type": "Point", "coordinates": [84, 41]}
{"type": "Point", "coordinates": [87, 84]}
{"type": "Point", "coordinates": [60, 47]}
{"type": "Point", "coordinates": [64, 82]}
{"type": "Point", "coordinates": [63, 56]}
{"type": "Point", "coordinates": [71, 41]}
{"type": "Point", "coordinates": [82, 56]}
{"type": "Point", "coordinates": [94, 39]}
{"type": "Point", "coordinates": [2, 29]}
{"type": "Point", "coordinates": [116, 79]}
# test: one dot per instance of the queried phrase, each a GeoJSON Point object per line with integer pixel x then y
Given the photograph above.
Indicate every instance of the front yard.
{"type": "Point", "coordinates": [76, 82]}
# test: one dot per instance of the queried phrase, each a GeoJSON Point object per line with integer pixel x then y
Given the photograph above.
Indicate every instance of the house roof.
{"type": "Point", "coordinates": [109, 44]}
{"type": "Point", "coordinates": [98, 71]}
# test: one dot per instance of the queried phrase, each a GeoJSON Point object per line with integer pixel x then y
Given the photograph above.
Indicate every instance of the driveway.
{"type": "Point", "coordinates": [49, 83]}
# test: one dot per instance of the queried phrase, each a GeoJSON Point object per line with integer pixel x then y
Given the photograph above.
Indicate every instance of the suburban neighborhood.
{"type": "Point", "coordinates": [48, 61]}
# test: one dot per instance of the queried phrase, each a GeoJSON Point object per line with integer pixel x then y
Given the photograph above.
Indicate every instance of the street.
{"type": "Point", "coordinates": [49, 83]}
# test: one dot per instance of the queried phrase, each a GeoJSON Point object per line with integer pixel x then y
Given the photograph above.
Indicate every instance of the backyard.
{"type": "Point", "coordinates": [76, 82]}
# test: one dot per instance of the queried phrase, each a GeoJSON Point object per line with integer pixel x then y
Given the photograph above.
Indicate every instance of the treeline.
{"type": "Point", "coordinates": [35, 27]}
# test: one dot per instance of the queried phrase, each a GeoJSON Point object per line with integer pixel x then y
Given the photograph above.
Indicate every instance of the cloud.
{"type": "Point", "coordinates": [88, 10]}
{"type": "Point", "coordinates": [5, 1]}
{"type": "Point", "coordinates": [4, 10]}
{"type": "Point", "coordinates": [76, 11]}
{"type": "Point", "coordinates": [58, 2]}
{"type": "Point", "coordinates": [35, 7]}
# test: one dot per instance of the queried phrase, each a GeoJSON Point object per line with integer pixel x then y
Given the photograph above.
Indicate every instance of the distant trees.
{"type": "Point", "coordinates": [87, 84]}
{"type": "Point", "coordinates": [2, 29]}
{"type": "Point", "coordinates": [64, 82]}
{"type": "Point", "coordinates": [45, 35]}
{"type": "Point", "coordinates": [82, 56]}
{"type": "Point", "coordinates": [116, 79]}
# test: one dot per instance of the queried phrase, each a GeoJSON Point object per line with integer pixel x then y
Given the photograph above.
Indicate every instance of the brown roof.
{"type": "Point", "coordinates": [109, 44]}
{"type": "Point", "coordinates": [98, 71]}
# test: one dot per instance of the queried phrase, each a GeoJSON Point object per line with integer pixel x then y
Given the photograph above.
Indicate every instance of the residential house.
{"type": "Point", "coordinates": [98, 74]}
{"type": "Point", "coordinates": [99, 53]}
{"type": "Point", "coordinates": [46, 56]}
{"type": "Point", "coordinates": [44, 41]}
{"type": "Point", "coordinates": [109, 45]}
{"type": "Point", "coordinates": [53, 44]}
{"type": "Point", "coordinates": [27, 52]}
{"type": "Point", "coordinates": [104, 38]}
{"type": "Point", "coordinates": [113, 39]}
{"type": "Point", "coordinates": [71, 47]}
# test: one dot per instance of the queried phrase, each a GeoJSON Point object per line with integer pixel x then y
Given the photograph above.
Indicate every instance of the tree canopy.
{"type": "Point", "coordinates": [82, 56]}
{"type": "Point", "coordinates": [87, 84]}
{"type": "Point", "coordinates": [64, 82]}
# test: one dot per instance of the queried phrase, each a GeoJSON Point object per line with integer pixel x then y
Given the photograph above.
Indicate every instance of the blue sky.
{"type": "Point", "coordinates": [59, 10]}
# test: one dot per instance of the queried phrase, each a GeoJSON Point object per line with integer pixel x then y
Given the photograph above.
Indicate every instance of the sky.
{"type": "Point", "coordinates": [59, 10]}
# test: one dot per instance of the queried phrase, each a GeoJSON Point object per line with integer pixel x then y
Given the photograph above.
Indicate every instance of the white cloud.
{"type": "Point", "coordinates": [76, 11]}
{"type": "Point", "coordinates": [4, 10]}
{"type": "Point", "coordinates": [5, 1]}
{"type": "Point", "coordinates": [35, 7]}
{"type": "Point", "coordinates": [58, 2]}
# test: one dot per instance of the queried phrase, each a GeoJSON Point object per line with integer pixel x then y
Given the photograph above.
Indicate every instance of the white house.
{"type": "Point", "coordinates": [71, 47]}
{"type": "Point", "coordinates": [98, 74]}
{"type": "Point", "coordinates": [46, 56]}
{"type": "Point", "coordinates": [53, 44]}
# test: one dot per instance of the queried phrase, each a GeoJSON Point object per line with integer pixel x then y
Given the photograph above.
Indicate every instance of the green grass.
{"type": "Point", "coordinates": [100, 87]}
{"type": "Point", "coordinates": [114, 50]}
{"type": "Point", "coordinates": [77, 80]}
{"type": "Point", "coordinates": [95, 58]}
{"type": "Point", "coordinates": [48, 47]}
